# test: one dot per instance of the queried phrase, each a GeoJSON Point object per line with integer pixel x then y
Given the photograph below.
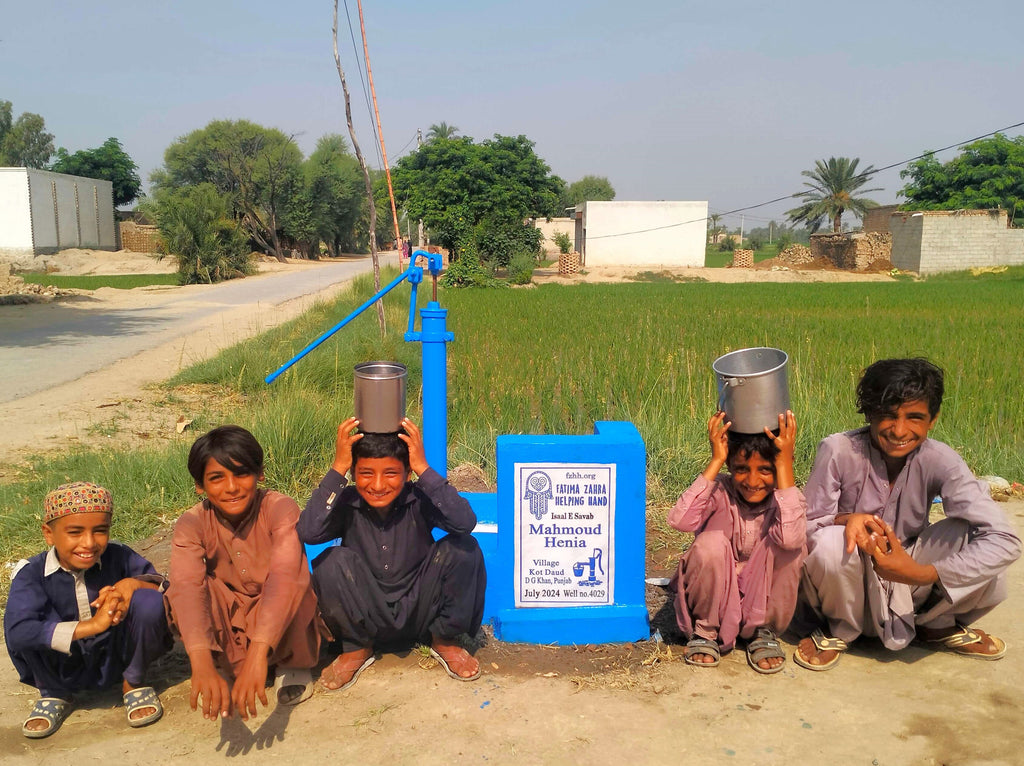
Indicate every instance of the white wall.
{"type": "Point", "coordinates": [550, 227]}
{"type": "Point", "coordinates": [15, 212]}
{"type": "Point", "coordinates": [84, 215]}
{"type": "Point", "coordinates": [644, 233]}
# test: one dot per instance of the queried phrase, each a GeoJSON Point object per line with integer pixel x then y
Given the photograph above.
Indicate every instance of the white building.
{"type": "Point", "coordinates": [641, 233]}
{"type": "Point", "coordinates": [43, 212]}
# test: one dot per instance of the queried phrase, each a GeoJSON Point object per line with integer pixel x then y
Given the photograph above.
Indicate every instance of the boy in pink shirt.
{"type": "Point", "coordinates": [741, 575]}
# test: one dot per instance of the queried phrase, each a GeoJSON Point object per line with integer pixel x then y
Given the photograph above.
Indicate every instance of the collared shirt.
{"type": "Point", "coordinates": [47, 600]}
{"type": "Point", "coordinates": [849, 476]}
{"type": "Point", "coordinates": [393, 546]}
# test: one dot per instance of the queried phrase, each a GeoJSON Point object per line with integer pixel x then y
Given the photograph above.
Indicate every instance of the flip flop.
{"type": "Point", "coordinates": [701, 645]}
{"type": "Point", "coordinates": [765, 646]}
{"type": "Point", "coordinates": [447, 667]}
{"type": "Point", "coordinates": [51, 709]}
{"type": "Point", "coordinates": [298, 679]}
{"type": "Point", "coordinates": [349, 667]}
{"type": "Point", "coordinates": [822, 643]}
{"type": "Point", "coordinates": [143, 697]}
{"type": "Point", "coordinates": [966, 636]}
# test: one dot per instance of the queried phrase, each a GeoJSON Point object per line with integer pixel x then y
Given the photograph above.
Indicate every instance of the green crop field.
{"type": "Point", "coordinates": [96, 281]}
{"type": "Point", "coordinates": [557, 358]}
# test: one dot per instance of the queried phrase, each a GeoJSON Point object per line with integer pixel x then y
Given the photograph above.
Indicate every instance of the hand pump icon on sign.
{"type": "Point", "coordinates": [594, 562]}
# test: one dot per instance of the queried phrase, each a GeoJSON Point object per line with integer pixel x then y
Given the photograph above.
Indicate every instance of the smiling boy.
{"type": "Point", "coordinates": [240, 595]}
{"type": "Point", "coordinates": [877, 567]}
{"type": "Point", "coordinates": [85, 614]}
{"type": "Point", "coordinates": [389, 582]}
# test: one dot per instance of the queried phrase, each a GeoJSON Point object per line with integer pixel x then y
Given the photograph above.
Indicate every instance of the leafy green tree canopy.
{"type": "Point", "coordinates": [588, 189]}
{"type": "Point", "coordinates": [259, 168]}
{"type": "Point", "coordinates": [24, 142]}
{"type": "Point", "coordinates": [831, 193]}
{"type": "Point", "coordinates": [986, 174]}
{"type": "Point", "coordinates": [455, 184]}
{"type": "Point", "coordinates": [110, 162]}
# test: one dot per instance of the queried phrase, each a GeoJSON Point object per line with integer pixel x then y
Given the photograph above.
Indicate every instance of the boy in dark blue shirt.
{"type": "Point", "coordinates": [85, 614]}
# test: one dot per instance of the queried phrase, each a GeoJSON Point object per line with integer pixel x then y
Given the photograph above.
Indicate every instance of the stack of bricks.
{"type": "Point", "coordinates": [568, 263]}
{"type": "Point", "coordinates": [140, 239]}
{"type": "Point", "coordinates": [856, 251]}
{"type": "Point", "coordinates": [742, 259]}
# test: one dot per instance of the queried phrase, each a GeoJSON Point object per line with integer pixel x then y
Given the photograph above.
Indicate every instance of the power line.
{"type": "Point", "coordinates": [865, 175]}
{"type": "Point", "coordinates": [362, 83]}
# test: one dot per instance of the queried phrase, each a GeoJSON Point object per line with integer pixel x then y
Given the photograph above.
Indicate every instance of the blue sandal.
{"type": "Point", "coordinates": [143, 697]}
{"type": "Point", "coordinates": [51, 709]}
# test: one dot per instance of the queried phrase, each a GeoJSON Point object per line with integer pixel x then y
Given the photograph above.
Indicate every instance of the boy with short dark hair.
{"type": "Point", "coordinates": [876, 566]}
{"type": "Point", "coordinates": [240, 595]}
{"type": "Point", "coordinates": [85, 614]}
{"type": "Point", "coordinates": [741, 574]}
{"type": "Point", "coordinates": [389, 582]}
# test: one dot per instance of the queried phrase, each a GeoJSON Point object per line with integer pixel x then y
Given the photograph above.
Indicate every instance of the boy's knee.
{"type": "Point", "coordinates": [147, 607]}
{"type": "Point", "coordinates": [456, 549]}
{"type": "Point", "coordinates": [827, 555]}
{"type": "Point", "coordinates": [708, 546]}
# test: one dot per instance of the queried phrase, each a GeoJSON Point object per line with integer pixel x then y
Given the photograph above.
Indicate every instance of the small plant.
{"type": "Point", "coordinates": [520, 269]}
{"type": "Point", "coordinates": [563, 242]}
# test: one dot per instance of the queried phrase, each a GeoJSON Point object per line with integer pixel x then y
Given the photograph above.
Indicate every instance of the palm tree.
{"type": "Point", "coordinates": [713, 230]}
{"type": "Point", "coordinates": [442, 130]}
{"type": "Point", "coordinates": [831, 193]}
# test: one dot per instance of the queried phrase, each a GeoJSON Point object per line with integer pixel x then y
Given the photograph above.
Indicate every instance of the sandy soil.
{"type": "Point", "coordinates": [661, 273]}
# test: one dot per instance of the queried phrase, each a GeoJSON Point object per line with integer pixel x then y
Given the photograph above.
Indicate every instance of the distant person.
{"type": "Point", "coordinates": [741, 574]}
{"type": "Point", "coordinates": [85, 614]}
{"type": "Point", "coordinates": [877, 566]}
{"type": "Point", "coordinates": [389, 583]}
{"type": "Point", "coordinates": [240, 595]}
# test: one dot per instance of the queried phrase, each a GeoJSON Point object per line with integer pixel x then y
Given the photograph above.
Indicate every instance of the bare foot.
{"type": "Point", "coordinates": [457, 661]}
{"type": "Point", "coordinates": [703, 658]}
{"type": "Point", "coordinates": [770, 662]}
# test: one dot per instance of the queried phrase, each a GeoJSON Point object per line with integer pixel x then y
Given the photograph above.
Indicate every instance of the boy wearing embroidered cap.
{"type": "Point", "coordinates": [84, 614]}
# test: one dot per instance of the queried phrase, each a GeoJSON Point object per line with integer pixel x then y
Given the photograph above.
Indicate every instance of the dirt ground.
{"type": "Point", "coordinates": [636, 703]}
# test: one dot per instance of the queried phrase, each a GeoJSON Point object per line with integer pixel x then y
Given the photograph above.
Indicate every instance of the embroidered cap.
{"type": "Point", "coordinates": [79, 497]}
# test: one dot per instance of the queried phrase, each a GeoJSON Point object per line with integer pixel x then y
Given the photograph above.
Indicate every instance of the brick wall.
{"type": "Point", "coordinates": [877, 219]}
{"type": "Point", "coordinates": [935, 241]}
{"type": "Point", "coordinates": [856, 251]}
{"type": "Point", "coordinates": [140, 238]}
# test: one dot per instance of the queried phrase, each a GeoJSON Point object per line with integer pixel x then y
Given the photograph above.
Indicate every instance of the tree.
{"type": "Point", "coordinates": [588, 189]}
{"type": "Point", "coordinates": [110, 162]}
{"type": "Point", "coordinates": [258, 168]}
{"type": "Point", "coordinates": [986, 174]}
{"type": "Point", "coordinates": [457, 184]}
{"type": "Point", "coordinates": [23, 142]}
{"type": "Point", "coordinates": [442, 130]}
{"type": "Point", "coordinates": [713, 228]}
{"type": "Point", "coordinates": [831, 193]}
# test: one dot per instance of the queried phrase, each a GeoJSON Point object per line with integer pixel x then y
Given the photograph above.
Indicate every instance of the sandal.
{"type": "Point", "coordinates": [765, 646]}
{"type": "Point", "coordinates": [822, 643]}
{"type": "Point", "coordinates": [293, 685]}
{"type": "Point", "coordinates": [346, 668]}
{"type": "Point", "coordinates": [965, 636]}
{"type": "Point", "coordinates": [701, 645]}
{"type": "Point", "coordinates": [452, 658]}
{"type": "Point", "coordinates": [51, 709]}
{"type": "Point", "coordinates": [137, 699]}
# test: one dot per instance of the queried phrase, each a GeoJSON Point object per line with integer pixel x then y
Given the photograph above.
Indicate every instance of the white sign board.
{"type": "Point", "coordinates": [565, 543]}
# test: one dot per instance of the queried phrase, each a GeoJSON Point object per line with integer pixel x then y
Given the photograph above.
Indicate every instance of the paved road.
{"type": "Point", "coordinates": [42, 346]}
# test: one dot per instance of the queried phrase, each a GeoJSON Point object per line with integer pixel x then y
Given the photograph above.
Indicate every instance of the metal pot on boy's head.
{"type": "Point", "coordinates": [752, 388]}
{"type": "Point", "coordinates": [379, 394]}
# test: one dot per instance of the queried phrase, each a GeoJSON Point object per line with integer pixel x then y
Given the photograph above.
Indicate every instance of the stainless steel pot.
{"type": "Point", "coordinates": [752, 388]}
{"type": "Point", "coordinates": [379, 394]}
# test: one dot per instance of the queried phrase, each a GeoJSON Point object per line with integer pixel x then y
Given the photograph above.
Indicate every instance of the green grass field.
{"type": "Point", "coordinates": [557, 358]}
{"type": "Point", "coordinates": [96, 281]}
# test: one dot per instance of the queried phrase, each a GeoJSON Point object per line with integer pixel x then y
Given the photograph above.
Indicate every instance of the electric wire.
{"type": "Point", "coordinates": [867, 174]}
{"type": "Point", "coordinates": [363, 84]}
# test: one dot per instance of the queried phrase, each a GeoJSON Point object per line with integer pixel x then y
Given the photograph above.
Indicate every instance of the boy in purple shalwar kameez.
{"type": "Point", "coordinates": [876, 566]}
{"type": "Point", "coordinates": [741, 574]}
{"type": "Point", "coordinates": [86, 614]}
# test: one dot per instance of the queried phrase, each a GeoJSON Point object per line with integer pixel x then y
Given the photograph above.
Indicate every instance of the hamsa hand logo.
{"type": "Point", "coordinates": [538, 492]}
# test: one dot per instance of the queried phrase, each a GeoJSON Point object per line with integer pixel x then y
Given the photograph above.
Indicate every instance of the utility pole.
{"type": "Point", "coordinates": [770, 225]}
{"type": "Point", "coordinates": [419, 227]}
{"type": "Point", "coordinates": [741, 229]}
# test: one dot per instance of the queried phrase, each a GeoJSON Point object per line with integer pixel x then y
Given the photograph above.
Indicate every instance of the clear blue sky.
{"type": "Point", "coordinates": [670, 99]}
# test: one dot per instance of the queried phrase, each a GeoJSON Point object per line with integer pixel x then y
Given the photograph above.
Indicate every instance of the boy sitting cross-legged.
{"type": "Point", "coordinates": [85, 614]}
{"type": "Point", "coordinates": [389, 582]}
{"type": "Point", "coordinates": [240, 594]}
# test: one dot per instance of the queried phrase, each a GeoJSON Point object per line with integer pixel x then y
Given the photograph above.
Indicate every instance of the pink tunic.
{"type": "Point", "coordinates": [743, 569]}
{"type": "Point", "coordinates": [233, 585]}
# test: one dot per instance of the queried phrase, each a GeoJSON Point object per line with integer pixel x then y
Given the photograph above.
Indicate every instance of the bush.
{"type": "Point", "coordinates": [520, 269]}
{"type": "Point", "coordinates": [198, 231]}
{"type": "Point", "coordinates": [467, 271]}
{"type": "Point", "coordinates": [563, 242]}
{"type": "Point", "coordinates": [727, 245]}
{"type": "Point", "coordinates": [497, 239]}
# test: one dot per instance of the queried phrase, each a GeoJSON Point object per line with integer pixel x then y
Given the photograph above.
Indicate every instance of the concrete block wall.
{"type": "Point", "coordinates": [936, 241]}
